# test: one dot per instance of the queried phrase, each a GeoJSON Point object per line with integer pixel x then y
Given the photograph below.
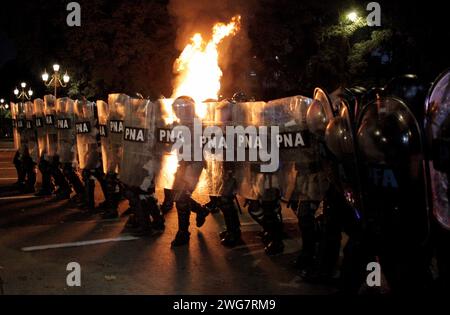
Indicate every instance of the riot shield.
{"type": "Point", "coordinates": [21, 122]}
{"type": "Point", "coordinates": [168, 159]}
{"type": "Point", "coordinates": [139, 162]}
{"type": "Point", "coordinates": [50, 127]}
{"type": "Point", "coordinates": [30, 133]}
{"type": "Point", "coordinates": [340, 140]}
{"type": "Point", "coordinates": [111, 116]}
{"type": "Point", "coordinates": [67, 145]}
{"type": "Point", "coordinates": [16, 129]}
{"type": "Point", "coordinates": [39, 123]}
{"type": "Point", "coordinates": [87, 132]}
{"type": "Point", "coordinates": [389, 143]}
{"type": "Point", "coordinates": [294, 142]}
{"type": "Point", "coordinates": [220, 173]}
{"type": "Point", "coordinates": [249, 116]}
{"type": "Point", "coordinates": [313, 178]}
{"type": "Point", "coordinates": [175, 127]}
{"type": "Point", "coordinates": [280, 128]}
{"type": "Point", "coordinates": [438, 135]}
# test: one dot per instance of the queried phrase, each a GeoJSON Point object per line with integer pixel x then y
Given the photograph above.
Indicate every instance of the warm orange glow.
{"type": "Point", "coordinates": [197, 68]}
{"type": "Point", "coordinates": [167, 111]}
{"type": "Point", "coordinates": [169, 165]}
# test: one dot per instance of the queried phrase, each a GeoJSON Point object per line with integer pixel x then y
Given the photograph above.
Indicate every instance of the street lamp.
{"type": "Point", "coordinates": [23, 95]}
{"type": "Point", "coordinates": [56, 80]}
{"type": "Point", "coordinates": [2, 104]}
{"type": "Point", "coordinates": [352, 16]}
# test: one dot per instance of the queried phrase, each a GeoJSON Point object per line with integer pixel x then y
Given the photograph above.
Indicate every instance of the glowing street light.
{"type": "Point", "coordinates": [23, 95]}
{"type": "Point", "coordinates": [352, 16]}
{"type": "Point", "coordinates": [56, 80]}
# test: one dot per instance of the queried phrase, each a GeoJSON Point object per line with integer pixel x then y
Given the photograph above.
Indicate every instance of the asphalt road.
{"type": "Point", "coordinates": [132, 266]}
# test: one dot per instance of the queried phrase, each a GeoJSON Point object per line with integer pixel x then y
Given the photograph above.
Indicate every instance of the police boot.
{"type": "Point", "coordinates": [274, 226]}
{"type": "Point", "coordinates": [19, 169]}
{"type": "Point", "coordinates": [143, 219]}
{"type": "Point", "coordinates": [212, 205]}
{"type": "Point", "coordinates": [307, 226]}
{"type": "Point", "coordinates": [112, 197]}
{"type": "Point", "coordinates": [201, 212]}
{"type": "Point", "coordinates": [232, 235]}
{"type": "Point", "coordinates": [256, 212]}
{"type": "Point", "coordinates": [64, 190]}
{"type": "Point", "coordinates": [168, 202]}
{"type": "Point", "coordinates": [132, 221]}
{"type": "Point", "coordinates": [156, 214]}
{"type": "Point", "coordinates": [89, 185]}
{"type": "Point", "coordinates": [31, 178]}
{"type": "Point", "coordinates": [21, 178]}
{"type": "Point", "coordinates": [330, 241]}
{"type": "Point", "coordinates": [74, 179]}
{"type": "Point", "coordinates": [47, 186]}
{"type": "Point", "coordinates": [101, 178]}
{"type": "Point", "coordinates": [183, 235]}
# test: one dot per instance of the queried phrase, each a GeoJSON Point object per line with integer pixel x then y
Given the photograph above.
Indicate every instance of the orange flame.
{"type": "Point", "coordinates": [197, 68]}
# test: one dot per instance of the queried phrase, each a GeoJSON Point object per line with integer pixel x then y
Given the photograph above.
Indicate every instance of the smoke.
{"type": "Point", "coordinates": [198, 16]}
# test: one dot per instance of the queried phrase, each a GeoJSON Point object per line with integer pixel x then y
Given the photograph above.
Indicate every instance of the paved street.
{"type": "Point", "coordinates": [28, 225]}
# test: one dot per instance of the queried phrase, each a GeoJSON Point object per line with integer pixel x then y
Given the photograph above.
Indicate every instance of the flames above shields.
{"type": "Point", "coordinates": [197, 68]}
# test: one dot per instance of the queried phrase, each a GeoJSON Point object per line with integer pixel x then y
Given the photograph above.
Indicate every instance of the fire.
{"type": "Point", "coordinates": [197, 68]}
{"type": "Point", "coordinates": [198, 76]}
{"type": "Point", "coordinates": [169, 164]}
{"type": "Point", "coordinates": [167, 111]}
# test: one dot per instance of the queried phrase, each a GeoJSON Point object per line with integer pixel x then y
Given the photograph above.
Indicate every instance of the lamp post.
{"type": "Point", "coordinates": [23, 95]}
{"type": "Point", "coordinates": [352, 16]}
{"type": "Point", "coordinates": [56, 80]}
{"type": "Point", "coordinates": [3, 104]}
{"type": "Point", "coordinates": [5, 121]}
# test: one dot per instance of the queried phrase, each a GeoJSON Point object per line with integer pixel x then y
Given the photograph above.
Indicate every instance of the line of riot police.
{"type": "Point", "coordinates": [371, 164]}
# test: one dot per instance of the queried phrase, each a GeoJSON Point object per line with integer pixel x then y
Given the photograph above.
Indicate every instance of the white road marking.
{"type": "Point", "coordinates": [81, 243]}
{"type": "Point", "coordinates": [255, 223]}
{"type": "Point", "coordinates": [18, 197]}
{"type": "Point", "coordinates": [7, 168]}
{"type": "Point", "coordinates": [294, 283]}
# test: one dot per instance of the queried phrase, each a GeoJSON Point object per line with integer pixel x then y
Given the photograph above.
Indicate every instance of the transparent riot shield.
{"type": "Point", "coordinates": [39, 123]}
{"type": "Point", "coordinates": [139, 162]}
{"type": "Point", "coordinates": [220, 173]}
{"type": "Point", "coordinates": [438, 135]}
{"type": "Point", "coordinates": [87, 131]}
{"type": "Point", "coordinates": [21, 128]}
{"type": "Point", "coordinates": [15, 119]}
{"type": "Point", "coordinates": [176, 120]}
{"type": "Point", "coordinates": [250, 117]}
{"type": "Point", "coordinates": [65, 124]}
{"type": "Point", "coordinates": [50, 127]}
{"type": "Point", "coordinates": [165, 138]}
{"type": "Point", "coordinates": [30, 133]}
{"type": "Point", "coordinates": [114, 146]}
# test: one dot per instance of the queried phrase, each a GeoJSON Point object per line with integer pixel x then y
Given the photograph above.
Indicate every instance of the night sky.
{"type": "Point", "coordinates": [130, 46]}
